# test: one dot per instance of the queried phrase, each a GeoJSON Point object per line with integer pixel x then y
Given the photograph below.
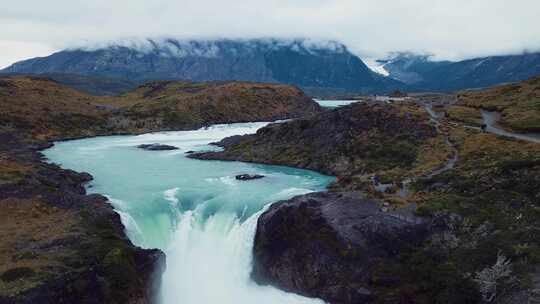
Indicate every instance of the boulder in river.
{"type": "Point", "coordinates": [245, 177]}
{"type": "Point", "coordinates": [328, 245]}
{"type": "Point", "coordinates": [156, 147]}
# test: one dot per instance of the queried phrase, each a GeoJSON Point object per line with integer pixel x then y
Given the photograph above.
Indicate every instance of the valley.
{"type": "Point", "coordinates": [417, 180]}
{"type": "Point", "coordinates": [270, 152]}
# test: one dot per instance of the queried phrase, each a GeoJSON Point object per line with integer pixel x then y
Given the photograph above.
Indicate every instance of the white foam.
{"type": "Point", "coordinates": [209, 261]}
{"type": "Point", "coordinates": [118, 204]}
{"type": "Point", "coordinates": [228, 180]}
{"type": "Point", "coordinates": [171, 196]}
{"type": "Point", "coordinates": [283, 194]}
{"type": "Point", "coordinates": [132, 229]}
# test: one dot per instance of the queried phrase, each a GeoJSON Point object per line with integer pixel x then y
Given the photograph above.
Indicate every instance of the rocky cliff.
{"type": "Point", "coordinates": [329, 245]}
{"type": "Point", "coordinates": [59, 245]}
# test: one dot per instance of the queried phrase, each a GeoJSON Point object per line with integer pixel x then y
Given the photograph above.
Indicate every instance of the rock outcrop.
{"type": "Point", "coordinates": [156, 147]}
{"type": "Point", "coordinates": [359, 138]}
{"type": "Point", "coordinates": [327, 245]}
{"type": "Point", "coordinates": [246, 177]}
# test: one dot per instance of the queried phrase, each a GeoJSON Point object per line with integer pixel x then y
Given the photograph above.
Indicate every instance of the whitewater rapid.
{"type": "Point", "coordinates": [195, 211]}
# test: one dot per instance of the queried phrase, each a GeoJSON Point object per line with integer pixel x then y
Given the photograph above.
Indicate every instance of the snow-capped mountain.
{"type": "Point", "coordinates": [422, 73]}
{"type": "Point", "coordinates": [310, 64]}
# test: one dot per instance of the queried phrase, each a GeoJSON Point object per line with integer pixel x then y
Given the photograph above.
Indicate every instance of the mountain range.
{"type": "Point", "coordinates": [422, 73]}
{"type": "Point", "coordinates": [327, 66]}
{"type": "Point", "coordinates": [321, 68]}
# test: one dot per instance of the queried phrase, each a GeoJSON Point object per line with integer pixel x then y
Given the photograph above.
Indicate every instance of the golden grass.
{"type": "Point", "coordinates": [25, 224]}
{"type": "Point", "coordinates": [433, 155]}
{"type": "Point", "coordinates": [408, 108]}
{"type": "Point", "coordinates": [493, 148]}
{"type": "Point", "coordinates": [47, 110]}
{"type": "Point", "coordinates": [467, 115]}
{"type": "Point", "coordinates": [519, 104]}
{"type": "Point", "coordinates": [41, 106]}
{"type": "Point", "coordinates": [12, 171]}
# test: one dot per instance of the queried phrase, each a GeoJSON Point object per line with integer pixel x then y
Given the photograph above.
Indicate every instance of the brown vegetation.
{"type": "Point", "coordinates": [519, 104]}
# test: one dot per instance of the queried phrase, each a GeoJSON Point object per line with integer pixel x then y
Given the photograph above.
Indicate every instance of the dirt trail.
{"type": "Point", "coordinates": [403, 190]}
{"type": "Point", "coordinates": [436, 118]}
{"type": "Point", "coordinates": [490, 120]}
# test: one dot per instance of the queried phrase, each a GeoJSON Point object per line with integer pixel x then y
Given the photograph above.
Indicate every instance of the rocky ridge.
{"type": "Point", "coordinates": [335, 142]}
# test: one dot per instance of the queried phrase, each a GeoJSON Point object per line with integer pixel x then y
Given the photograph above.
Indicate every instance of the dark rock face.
{"type": "Point", "coordinates": [298, 62]}
{"type": "Point", "coordinates": [228, 141]}
{"type": "Point", "coordinates": [327, 245]}
{"type": "Point", "coordinates": [156, 147]}
{"type": "Point", "coordinates": [246, 177]}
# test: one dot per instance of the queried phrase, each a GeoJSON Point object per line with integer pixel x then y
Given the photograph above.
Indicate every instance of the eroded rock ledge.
{"type": "Point", "coordinates": [327, 245]}
{"type": "Point", "coordinates": [60, 245]}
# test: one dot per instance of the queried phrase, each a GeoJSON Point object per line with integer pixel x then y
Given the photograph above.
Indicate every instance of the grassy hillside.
{"type": "Point", "coordinates": [519, 104]}
{"type": "Point", "coordinates": [185, 104]}
{"type": "Point", "coordinates": [45, 109]}
{"type": "Point", "coordinates": [352, 142]}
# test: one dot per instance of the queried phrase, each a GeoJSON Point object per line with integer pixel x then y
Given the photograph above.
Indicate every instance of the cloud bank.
{"type": "Point", "coordinates": [449, 29]}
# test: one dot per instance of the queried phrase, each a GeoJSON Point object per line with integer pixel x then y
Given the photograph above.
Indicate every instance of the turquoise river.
{"type": "Point", "coordinates": [195, 211]}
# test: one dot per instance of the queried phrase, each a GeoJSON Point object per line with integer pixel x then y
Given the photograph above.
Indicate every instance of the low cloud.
{"type": "Point", "coordinates": [448, 29]}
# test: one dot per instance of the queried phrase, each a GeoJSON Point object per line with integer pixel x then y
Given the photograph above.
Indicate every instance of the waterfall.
{"type": "Point", "coordinates": [195, 211]}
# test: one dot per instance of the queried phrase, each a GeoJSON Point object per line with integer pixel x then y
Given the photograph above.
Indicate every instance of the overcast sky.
{"type": "Point", "coordinates": [450, 29]}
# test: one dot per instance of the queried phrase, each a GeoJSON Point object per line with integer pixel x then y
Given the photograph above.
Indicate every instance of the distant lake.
{"type": "Point", "coordinates": [335, 103]}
